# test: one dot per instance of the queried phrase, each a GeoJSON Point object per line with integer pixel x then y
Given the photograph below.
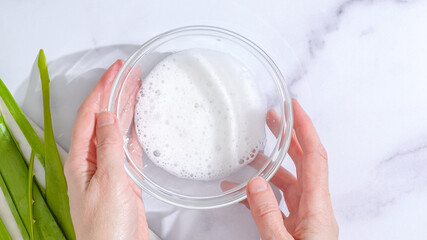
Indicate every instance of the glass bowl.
{"type": "Point", "coordinates": [201, 194]}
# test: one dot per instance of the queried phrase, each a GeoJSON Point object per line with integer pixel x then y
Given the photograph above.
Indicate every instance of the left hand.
{"type": "Point", "coordinates": [104, 202]}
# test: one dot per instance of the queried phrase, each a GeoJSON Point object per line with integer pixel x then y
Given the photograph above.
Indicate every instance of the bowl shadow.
{"type": "Point", "coordinates": [72, 78]}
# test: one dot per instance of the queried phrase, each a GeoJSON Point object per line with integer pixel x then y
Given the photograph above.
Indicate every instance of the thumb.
{"type": "Point", "coordinates": [109, 143]}
{"type": "Point", "coordinates": [265, 210]}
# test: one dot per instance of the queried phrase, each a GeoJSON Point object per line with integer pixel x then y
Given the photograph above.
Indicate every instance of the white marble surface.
{"type": "Point", "coordinates": [359, 68]}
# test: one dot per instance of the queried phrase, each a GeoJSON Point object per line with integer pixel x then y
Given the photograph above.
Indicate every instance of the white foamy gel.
{"type": "Point", "coordinates": [199, 115]}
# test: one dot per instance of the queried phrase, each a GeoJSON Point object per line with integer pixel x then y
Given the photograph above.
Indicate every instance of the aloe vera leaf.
{"type": "Point", "coordinates": [10, 215]}
{"type": "Point", "coordinates": [4, 234]}
{"type": "Point", "coordinates": [19, 137]}
{"type": "Point", "coordinates": [56, 185]}
{"type": "Point", "coordinates": [30, 193]}
{"type": "Point", "coordinates": [20, 119]}
{"type": "Point", "coordinates": [62, 153]}
{"type": "Point", "coordinates": [23, 145]}
{"type": "Point", "coordinates": [15, 175]}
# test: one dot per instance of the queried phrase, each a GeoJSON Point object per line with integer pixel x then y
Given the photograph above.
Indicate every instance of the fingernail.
{"type": "Point", "coordinates": [118, 62]}
{"type": "Point", "coordinates": [104, 118]}
{"type": "Point", "coordinates": [256, 185]}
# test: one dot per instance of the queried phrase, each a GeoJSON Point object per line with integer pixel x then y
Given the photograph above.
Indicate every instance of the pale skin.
{"type": "Point", "coordinates": [106, 204]}
{"type": "Point", "coordinates": [306, 195]}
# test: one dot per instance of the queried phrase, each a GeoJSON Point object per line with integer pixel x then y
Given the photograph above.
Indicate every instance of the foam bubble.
{"type": "Point", "coordinates": [200, 115]}
{"type": "Point", "coordinates": [156, 153]}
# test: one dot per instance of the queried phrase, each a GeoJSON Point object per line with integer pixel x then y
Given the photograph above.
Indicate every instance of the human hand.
{"type": "Point", "coordinates": [104, 202]}
{"type": "Point", "coordinates": [307, 195]}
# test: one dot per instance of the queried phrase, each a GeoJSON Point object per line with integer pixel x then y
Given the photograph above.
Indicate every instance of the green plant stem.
{"type": "Point", "coordinates": [30, 193]}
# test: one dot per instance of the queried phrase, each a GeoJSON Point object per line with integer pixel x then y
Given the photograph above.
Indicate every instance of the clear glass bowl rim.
{"type": "Point", "coordinates": [238, 193]}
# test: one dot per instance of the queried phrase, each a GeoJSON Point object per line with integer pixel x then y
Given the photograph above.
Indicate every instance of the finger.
{"type": "Point", "coordinates": [259, 161]}
{"type": "Point", "coordinates": [282, 179]}
{"type": "Point", "coordinates": [106, 82]}
{"type": "Point", "coordinates": [109, 144]}
{"type": "Point", "coordinates": [128, 99]}
{"type": "Point", "coordinates": [134, 148]}
{"type": "Point", "coordinates": [135, 151]}
{"type": "Point", "coordinates": [84, 125]}
{"type": "Point", "coordinates": [305, 131]}
{"type": "Point", "coordinates": [227, 185]}
{"type": "Point", "coordinates": [79, 168]}
{"type": "Point", "coordinates": [265, 210]}
{"type": "Point", "coordinates": [314, 167]}
{"type": "Point", "coordinates": [274, 123]}
{"type": "Point", "coordinates": [288, 184]}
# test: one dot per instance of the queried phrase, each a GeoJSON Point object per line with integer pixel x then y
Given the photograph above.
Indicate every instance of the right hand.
{"type": "Point", "coordinates": [307, 195]}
